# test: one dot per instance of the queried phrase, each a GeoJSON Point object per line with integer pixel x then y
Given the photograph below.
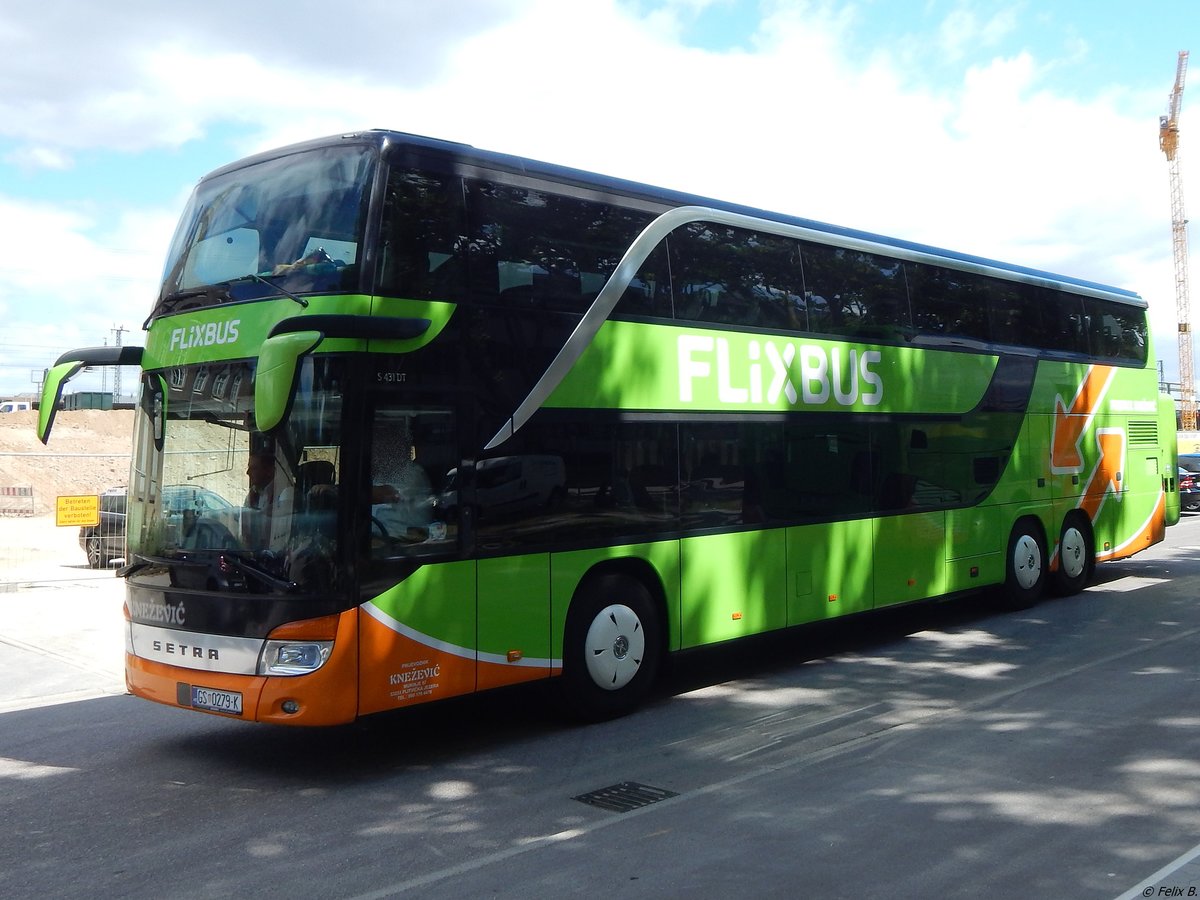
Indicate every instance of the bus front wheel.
{"type": "Point", "coordinates": [611, 647]}
{"type": "Point", "coordinates": [1025, 568]}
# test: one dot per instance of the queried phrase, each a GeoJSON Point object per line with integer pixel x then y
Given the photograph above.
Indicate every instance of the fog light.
{"type": "Point", "coordinates": [290, 707]}
{"type": "Point", "coordinates": [293, 657]}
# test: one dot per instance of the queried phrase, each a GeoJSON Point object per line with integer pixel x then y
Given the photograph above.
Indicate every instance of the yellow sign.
{"type": "Point", "coordinates": [84, 510]}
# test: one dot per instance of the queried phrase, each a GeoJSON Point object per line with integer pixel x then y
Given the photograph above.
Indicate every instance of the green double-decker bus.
{"type": "Point", "coordinates": [418, 420]}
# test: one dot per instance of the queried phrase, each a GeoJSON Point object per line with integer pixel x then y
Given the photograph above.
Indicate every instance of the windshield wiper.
{"type": "Point", "coordinates": [227, 561]}
{"type": "Point", "coordinates": [256, 277]}
{"type": "Point", "coordinates": [170, 301]}
{"type": "Point", "coordinates": [245, 566]}
{"type": "Point", "coordinates": [221, 288]}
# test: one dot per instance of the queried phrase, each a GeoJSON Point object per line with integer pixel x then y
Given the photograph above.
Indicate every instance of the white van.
{"type": "Point", "coordinates": [15, 406]}
{"type": "Point", "coordinates": [509, 485]}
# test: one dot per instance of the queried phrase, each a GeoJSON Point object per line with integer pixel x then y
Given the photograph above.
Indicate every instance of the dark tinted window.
{"type": "Point", "coordinates": [528, 248]}
{"type": "Point", "coordinates": [1016, 315]}
{"type": "Point", "coordinates": [736, 277]}
{"type": "Point", "coordinates": [849, 292]}
{"type": "Point", "coordinates": [649, 293]}
{"type": "Point", "coordinates": [949, 303]}
{"type": "Point", "coordinates": [1115, 332]}
{"type": "Point", "coordinates": [423, 245]}
{"type": "Point", "coordinates": [532, 247]}
{"type": "Point", "coordinates": [1063, 322]}
{"type": "Point", "coordinates": [578, 481]}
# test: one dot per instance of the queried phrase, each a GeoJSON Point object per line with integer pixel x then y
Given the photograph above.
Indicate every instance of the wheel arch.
{"type": "Point", "coordinates": [1037, 520]}
{"type": "Point", "coordinates": [1019, 591]}
{"type": "Point", "coordinates": [640, 570]}
{"type": "Point", "coordinates": [1076, 515]}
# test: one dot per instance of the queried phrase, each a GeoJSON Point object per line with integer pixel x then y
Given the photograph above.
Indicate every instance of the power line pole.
{"type": "Point", "coordinates": [118, 330]}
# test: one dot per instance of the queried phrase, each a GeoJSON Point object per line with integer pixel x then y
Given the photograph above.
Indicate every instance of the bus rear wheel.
{"type": "Point", "coordinates": [1076, 556]}
{"type": "Point", "coordinates": [611, 647]}
{"type": "Point", "coordinates": [1025, 566]}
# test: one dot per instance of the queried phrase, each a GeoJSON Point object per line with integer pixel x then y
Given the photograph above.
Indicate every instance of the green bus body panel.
{"type": "Point", "coordinates": [910, 557]}
{"type": "Point", "coordinates": [637, 366]}
{"type": "Point", "coordinates": [514, 606]}
{"type": "Point", "coordinates": [238, 331]}
{"type": "Point", "coordinates": [829, 571]}
{"type": "Point", "coordinates": [733, 585]}
{"type": "Point", "coordinates": [436, 600]}
{"type": "Point", "coordinates": [974, 555]}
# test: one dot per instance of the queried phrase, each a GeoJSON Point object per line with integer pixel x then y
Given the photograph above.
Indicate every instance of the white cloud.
{"type": "Point", "coordinates": [67, 280]}
{"type": "Point", "coordinates": [811, 120]}
{"type": "Point", "coordinates": [30, 158]}
{"type": "Point", "coordinates": [964, 30]}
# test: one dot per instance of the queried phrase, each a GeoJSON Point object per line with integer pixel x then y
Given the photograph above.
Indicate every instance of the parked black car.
{"type": "Point", "coordinates": [105, 542]}
{"type": "Point", "coordinates": [1190, 461]}
{"type": "Point", "coordinates": [1189, 490]}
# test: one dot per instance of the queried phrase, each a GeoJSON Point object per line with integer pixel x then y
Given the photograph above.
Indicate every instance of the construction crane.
{"type": "Point", "coordinates": [1168, 142]}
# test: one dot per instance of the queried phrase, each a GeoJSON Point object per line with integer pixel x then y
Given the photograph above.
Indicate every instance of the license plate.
{"type": "Point", "coordinates": [229, 702]}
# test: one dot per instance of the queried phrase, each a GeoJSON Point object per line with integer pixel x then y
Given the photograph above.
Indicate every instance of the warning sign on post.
{"type": "Point", "coordinates": [79, 510]}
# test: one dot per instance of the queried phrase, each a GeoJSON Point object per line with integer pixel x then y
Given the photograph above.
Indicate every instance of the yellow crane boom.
{"type": "Point", "coordinates": [1168, 142]}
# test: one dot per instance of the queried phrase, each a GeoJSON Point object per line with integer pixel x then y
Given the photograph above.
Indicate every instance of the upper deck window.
{"type": "Point", "coordinates": [296, 221]}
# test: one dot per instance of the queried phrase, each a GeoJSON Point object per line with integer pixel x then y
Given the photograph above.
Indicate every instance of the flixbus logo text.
{"type": "Point", "coordinates": [768, 370]}
{"type": "Point", "coordinates": [206, 334]}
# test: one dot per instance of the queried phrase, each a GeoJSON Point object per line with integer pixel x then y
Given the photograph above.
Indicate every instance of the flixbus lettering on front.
{"type": "Point", "coordinates": [206, 334]}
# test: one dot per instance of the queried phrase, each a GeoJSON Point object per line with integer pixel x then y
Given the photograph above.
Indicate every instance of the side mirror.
{"type": "Point", "coordinates": [52, 388]}
{"type": "Point", "coordinates": [67, 367]}
{"type": "Point", "coordinates": [275, 377]}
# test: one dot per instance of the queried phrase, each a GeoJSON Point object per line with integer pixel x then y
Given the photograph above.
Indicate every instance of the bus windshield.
{"type": "Point", "coordinates": [223, 505]}
{"type": "Point", "coordinates": [294, 222]}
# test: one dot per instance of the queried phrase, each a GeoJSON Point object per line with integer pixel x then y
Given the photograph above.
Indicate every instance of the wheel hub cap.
{"type": "Point", "coordinates": [614, 647]}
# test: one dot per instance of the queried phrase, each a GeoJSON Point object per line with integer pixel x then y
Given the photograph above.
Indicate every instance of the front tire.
{"type": "Point", "coordinates": [1025, 568]}
{"type": "Point", "coordinates": [1076, 556]}
{"type": "Point", "coordinates": [94, 553]}
{"type": "Point", "coordinates": [611, 647]}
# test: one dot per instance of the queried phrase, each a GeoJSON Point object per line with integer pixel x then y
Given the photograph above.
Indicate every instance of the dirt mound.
{"type": "Point", "coordinates": [89, 452]}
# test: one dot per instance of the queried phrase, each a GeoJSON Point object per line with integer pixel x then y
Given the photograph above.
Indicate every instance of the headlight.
{"type": "Point", "coordinates": [293, 657]}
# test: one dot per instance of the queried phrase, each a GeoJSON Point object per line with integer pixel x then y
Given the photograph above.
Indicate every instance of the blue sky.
{"type": "Point", "coordinates": [1015, 130]}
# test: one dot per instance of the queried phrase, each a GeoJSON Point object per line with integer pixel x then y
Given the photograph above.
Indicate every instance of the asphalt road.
{"type": "Point", "coordinates": [945, 751]}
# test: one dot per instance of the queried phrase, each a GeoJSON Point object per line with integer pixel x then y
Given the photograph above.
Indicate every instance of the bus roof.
{"type": "Point", "coordinates": [590, 180]}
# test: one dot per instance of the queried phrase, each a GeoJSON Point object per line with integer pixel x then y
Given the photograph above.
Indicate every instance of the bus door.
{"type": "Point", "coordinates": [436, 621]}
{"type": "Point", "coordinates": [417, 624]}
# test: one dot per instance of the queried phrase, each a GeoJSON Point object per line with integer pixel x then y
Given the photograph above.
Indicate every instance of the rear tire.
{"type": "Point", "coordinates": [1025, 566]}
{"type": "Point", "coordinates": [611, 647]}
{"type": "Point", "coordinates": [1076, 556]}
{"type": "Point", "coordinates": [95, 554]}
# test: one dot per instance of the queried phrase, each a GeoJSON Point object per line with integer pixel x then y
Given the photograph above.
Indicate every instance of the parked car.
{"type": "Point", "coordinates": [1190, 461]}
{"type": "Point", "coordinates": [1189, 489]}
{"type": "Point", "coordinates": [105, 542]}
{"type": "Point", "coordinates": [508, 485]}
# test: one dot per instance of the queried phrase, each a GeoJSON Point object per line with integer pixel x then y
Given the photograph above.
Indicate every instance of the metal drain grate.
{"type": "Point", "coordinates": [625, 797]}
